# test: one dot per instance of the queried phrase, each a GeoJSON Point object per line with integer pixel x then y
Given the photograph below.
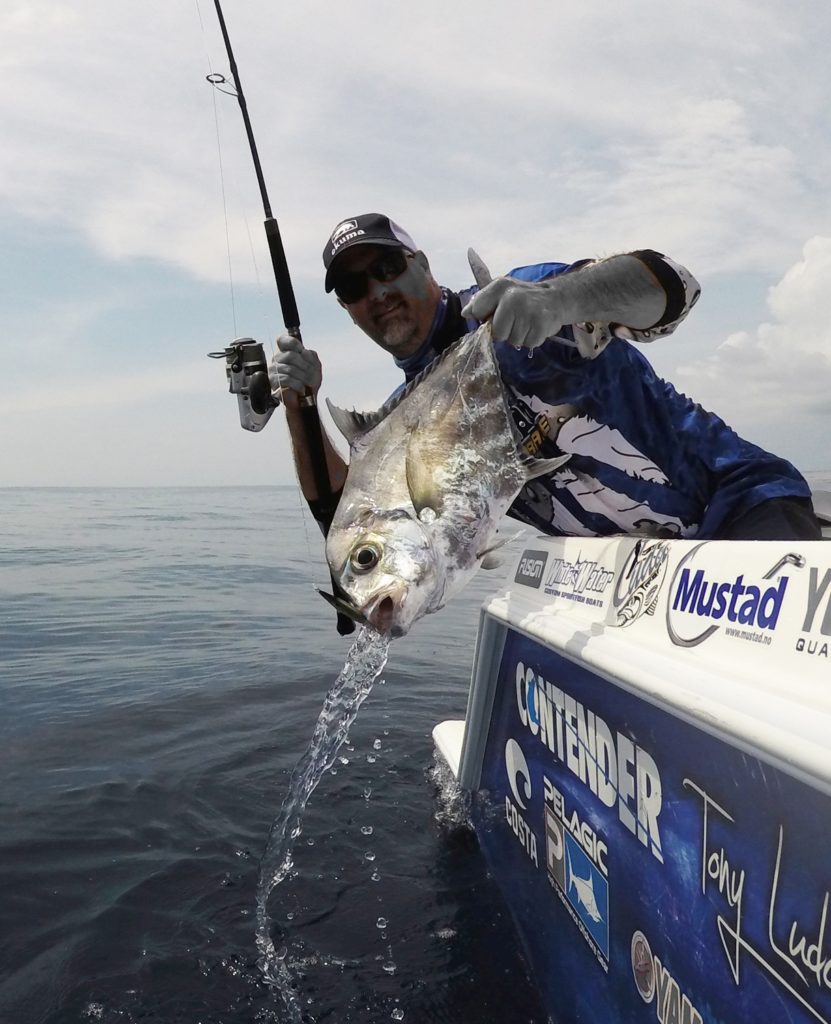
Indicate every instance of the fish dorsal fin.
{"type": "Point", "coordinates": [352, 424]}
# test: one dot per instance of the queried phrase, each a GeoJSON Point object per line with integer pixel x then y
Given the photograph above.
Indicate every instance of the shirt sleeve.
{"type": "Point", "coordinates": [682, 292]}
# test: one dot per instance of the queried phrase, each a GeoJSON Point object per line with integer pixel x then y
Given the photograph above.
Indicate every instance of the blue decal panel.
{"type": "Point", "coordinates": [653, 871]}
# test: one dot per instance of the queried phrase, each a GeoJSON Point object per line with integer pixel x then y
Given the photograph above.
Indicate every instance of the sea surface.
{"type": "Point", "coordinates": [163, 660]}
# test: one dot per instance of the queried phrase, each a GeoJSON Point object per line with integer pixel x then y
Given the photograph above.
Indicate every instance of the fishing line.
{"type": "Point", "coordinates": [221, 83]}
{"type": "Point", "coordinates": [214, 79]}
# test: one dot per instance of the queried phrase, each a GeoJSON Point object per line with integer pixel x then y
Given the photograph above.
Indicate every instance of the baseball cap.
{"type": "Point", "coordinates": [365, 229]}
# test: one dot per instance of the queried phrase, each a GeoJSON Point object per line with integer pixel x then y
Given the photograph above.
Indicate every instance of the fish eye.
{"type": "Point", "coordinates": [364, 558]}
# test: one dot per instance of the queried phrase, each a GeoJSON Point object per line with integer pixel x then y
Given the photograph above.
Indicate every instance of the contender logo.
{"type": "Point", "coordinates": [745, 608]}
{"type": "Point", "coordinates": [531, 567]}
{"type": "Point", "coordinates": [614, 768]}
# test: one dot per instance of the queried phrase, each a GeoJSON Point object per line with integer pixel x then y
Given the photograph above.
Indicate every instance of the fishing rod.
{"type": "Point", "coordinates": [246, 365]}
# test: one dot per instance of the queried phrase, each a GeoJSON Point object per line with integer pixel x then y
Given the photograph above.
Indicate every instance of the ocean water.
{"type": "Point", "coordinates": [163, 659]}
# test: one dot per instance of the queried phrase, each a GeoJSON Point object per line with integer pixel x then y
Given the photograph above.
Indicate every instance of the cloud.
{"type": "Point", "coordinates": [576, 127]}
{"type": "Point", "coordinates": [782, 368]}
{"type": "Point", "coordinates": [540, 132]}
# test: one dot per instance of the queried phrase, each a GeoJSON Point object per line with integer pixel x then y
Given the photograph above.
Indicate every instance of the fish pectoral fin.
{"type": "Point", "coordinates": [541, 467]}
{"type": "Point", "coordinates": [421, 482]}
{"type": "Point", "coordinates": [492, 561]}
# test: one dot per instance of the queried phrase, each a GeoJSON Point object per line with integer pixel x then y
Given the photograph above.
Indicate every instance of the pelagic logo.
{"type": "Point", "coordinates": [575, 860]}
{"type": "Point", "coordinates": [615, 768]}
{"type": "Point", "coordinates": [531, 567]}
{"type": "Point", "coordinates": [749, 609]}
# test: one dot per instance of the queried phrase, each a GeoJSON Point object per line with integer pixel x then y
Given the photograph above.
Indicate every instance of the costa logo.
{"type": "Point", "coordinates": [516, 768]}
{"type": "Point", "coordinates": [516, 765]}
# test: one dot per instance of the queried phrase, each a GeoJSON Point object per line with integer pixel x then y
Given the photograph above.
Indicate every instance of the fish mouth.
{"type": "Point", "coordinates": [382, 610]}
{"type": "Point", "coordinates": [379, 615]}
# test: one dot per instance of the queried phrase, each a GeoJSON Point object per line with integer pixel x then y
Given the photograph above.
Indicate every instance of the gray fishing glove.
{"type": "Point", "coordinates": [525, 313]}
{"type": "Point", "coordinates": [293, 369]}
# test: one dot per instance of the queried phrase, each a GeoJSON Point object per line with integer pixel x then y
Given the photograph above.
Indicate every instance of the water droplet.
{"type": "Point", "coordinates": [343, 760]}
{"type": "Point", "coordinates": [366, 830]}
{"type": "Point", "coordinates": [371, 758]}
{"type": "Point", "coordinates": [375, 876]}
{"type": "Point", "coordinates": [367, 792]}
{"type": "Point", "coordinates": [397, 1014]}
{"type": "Point", "coordinates": [290, 915]}
{"type": "Point", "coordinates": [381, 922]}
{"type": "Point", "coordinates": [310, 841]}
{"type": "Point", "coordinates": [369, 855]}
{"type": "Point", "coordinates": [376, 744]}
{"type": "Point", "coordinates": [390, 967]}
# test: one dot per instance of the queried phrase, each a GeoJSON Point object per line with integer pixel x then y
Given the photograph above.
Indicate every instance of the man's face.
{"type": "Point", "coordinates": [396, 314]}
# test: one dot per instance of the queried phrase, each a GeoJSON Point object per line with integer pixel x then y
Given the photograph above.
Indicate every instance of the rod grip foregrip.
{"type": "Point", "coordinates": [288, 304]}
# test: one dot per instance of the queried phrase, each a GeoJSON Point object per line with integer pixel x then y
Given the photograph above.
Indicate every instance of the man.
{"type": "Point", "coordinates": [645, 459]}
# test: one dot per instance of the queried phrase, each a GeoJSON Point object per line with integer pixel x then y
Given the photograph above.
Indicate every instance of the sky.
{"type": "Point", "coordinates": [131, 232]}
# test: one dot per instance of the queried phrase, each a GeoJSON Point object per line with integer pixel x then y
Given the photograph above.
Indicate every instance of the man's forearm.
{"type": "Point", "coordinates": [303, 460]}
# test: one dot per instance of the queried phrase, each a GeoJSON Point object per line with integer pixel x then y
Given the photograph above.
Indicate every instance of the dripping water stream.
{"type": "Point", "coordinates": [365, 662]}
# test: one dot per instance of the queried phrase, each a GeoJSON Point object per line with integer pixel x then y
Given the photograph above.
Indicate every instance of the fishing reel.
{"type": "Point", "coordinates": [247, 371]}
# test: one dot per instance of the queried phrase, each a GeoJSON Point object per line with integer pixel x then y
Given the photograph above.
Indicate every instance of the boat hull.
{"type": "Point", "coordinates": [646, 751]}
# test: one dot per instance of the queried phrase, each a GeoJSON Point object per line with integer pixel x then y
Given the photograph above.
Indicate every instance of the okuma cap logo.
{"type": "Point", "coordinates": [342, 228]}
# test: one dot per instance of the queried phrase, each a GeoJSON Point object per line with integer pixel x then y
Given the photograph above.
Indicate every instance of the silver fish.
{"type": "Point", "coordinates": [430, 476]}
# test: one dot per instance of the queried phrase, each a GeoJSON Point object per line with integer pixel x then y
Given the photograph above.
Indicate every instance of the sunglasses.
{"type": "Point", "coordinates": [352, 285]}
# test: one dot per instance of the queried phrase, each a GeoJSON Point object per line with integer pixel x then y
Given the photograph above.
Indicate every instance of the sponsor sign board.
{"type": "Point", "coordinates": [656, 872]}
